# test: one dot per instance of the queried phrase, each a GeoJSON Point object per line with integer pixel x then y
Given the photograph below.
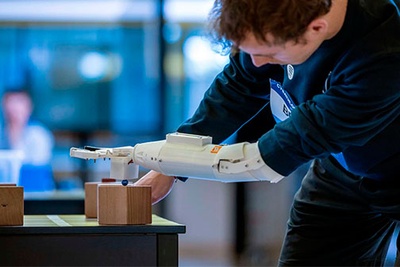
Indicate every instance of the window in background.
{"type": "Point", "coordinates": [201, 65]}
{"type": "Point", "coordinates": [190, 63]}
{"type": "Point", "coordinates": [92, 68]}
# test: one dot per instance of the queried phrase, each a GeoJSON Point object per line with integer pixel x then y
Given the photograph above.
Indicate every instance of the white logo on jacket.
{"type": "Point", "coordinates": [290, 71]}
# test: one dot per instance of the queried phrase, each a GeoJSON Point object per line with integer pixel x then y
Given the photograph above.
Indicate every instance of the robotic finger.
{"type": "Point", "coordinates": [122, 167]}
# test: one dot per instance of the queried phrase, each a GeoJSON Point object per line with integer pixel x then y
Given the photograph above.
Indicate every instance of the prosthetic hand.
{"type": "Point", "coordinates": [188, 155]}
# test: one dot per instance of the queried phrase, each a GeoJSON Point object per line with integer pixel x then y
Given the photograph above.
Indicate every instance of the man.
{"type": "Point", "coordinates": [321, 79]}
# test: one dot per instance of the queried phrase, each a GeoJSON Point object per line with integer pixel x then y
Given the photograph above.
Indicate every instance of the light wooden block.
{"type": "Point", "coordinates": [11, 205]}
{"type": "Point", "coordinates": [118, 204]}
{"type": "Point", "coordinates": [91, 197]}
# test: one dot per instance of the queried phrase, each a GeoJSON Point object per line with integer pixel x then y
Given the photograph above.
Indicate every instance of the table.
{"type": "Point", "coordinates": [73, 240]}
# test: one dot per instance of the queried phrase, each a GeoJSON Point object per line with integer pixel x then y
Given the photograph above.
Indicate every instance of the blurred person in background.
{"type": "Point", "coordinates": [21, 132]}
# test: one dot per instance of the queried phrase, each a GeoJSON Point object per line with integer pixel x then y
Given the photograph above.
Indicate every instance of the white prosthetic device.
{"type": "Point", "coordinates": [187, 155]}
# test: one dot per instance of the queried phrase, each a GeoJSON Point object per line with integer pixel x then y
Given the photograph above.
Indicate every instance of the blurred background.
{"type": "Point", "coordinates": [118, 72]}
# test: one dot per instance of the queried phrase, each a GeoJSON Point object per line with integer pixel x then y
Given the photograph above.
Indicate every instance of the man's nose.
{"type": "Point", "coordinates": [260, 61]}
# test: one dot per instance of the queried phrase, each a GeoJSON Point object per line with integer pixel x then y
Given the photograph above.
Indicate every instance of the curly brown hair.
{"type": "Point", "coordinates": [285, 20]}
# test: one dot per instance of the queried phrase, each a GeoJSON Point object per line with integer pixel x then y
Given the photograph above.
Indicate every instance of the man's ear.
{"type": "Point", "coordinates": [318, 27]}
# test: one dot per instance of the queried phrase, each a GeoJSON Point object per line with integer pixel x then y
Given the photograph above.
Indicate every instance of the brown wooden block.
{"type": "Point", "coordinates": [11, 205]}
{"type": "Point", "coordinates": [91, 197]}
{"type": "Point", "coordinates": [118, 204]}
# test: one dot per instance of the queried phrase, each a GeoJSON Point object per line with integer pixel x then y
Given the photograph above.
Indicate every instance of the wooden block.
{"type": "Point", "coordinates": [118, 204]}
{"type": "Point", "coordinates": [11, 205]}
{"type": "Point", "coordinates": [91, 197]}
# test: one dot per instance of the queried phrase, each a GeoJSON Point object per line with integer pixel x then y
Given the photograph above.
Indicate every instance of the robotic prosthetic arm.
{"type": "Point", "coordinates": [188, 155]}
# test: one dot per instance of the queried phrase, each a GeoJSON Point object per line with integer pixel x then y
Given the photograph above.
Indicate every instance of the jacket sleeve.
{"type": "Point", "coordinates": [237, 98]}
{"type": "Point", "coordinates": [363, 100]}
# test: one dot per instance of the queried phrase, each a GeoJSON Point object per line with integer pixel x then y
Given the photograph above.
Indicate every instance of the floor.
{"type": "Point", "coordinates": [192, 261]}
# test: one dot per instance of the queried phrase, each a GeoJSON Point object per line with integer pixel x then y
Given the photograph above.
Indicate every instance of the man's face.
{"type": "Point", "coordinates": [17, 107]}
{"type": "Point", "coordinates": [282, 54]}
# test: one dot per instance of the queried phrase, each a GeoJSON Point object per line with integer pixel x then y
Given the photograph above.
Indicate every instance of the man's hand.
{"type": "Point", "coordinates": [161, 185]}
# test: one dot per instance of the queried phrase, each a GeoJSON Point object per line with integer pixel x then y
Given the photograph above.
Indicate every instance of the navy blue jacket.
{"type": "Point", "coordinates": [343, 101]}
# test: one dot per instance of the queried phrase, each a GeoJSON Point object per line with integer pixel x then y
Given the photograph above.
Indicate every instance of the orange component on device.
{"type": "Point", "coordinates": [215, 149]}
